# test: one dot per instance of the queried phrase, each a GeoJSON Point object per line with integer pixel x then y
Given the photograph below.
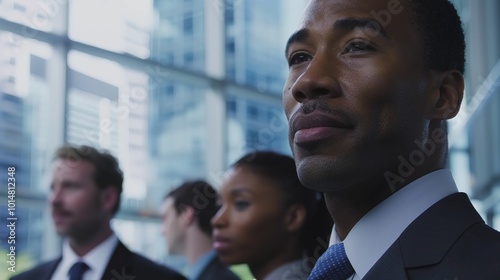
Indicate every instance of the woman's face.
{"type": "Point", "coordinates": [250, 225]}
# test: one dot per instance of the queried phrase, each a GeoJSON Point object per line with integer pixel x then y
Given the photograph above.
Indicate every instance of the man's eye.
{"type": "Point", "coordinates": [241, 204]}
{"type": "Point", "coordinates": [358, 46]}
{"type": "Point", "coordinates": [298, 58]}
{"type": "Point", "coordinates": [71, 186]}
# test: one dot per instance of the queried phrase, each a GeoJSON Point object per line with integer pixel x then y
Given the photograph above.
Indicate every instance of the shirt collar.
{"type": "Point", "coordinates": [378, 229]}
{"type": "Point", "coordinates": [97, 259]}
{"type": "Point", "coordinates": [202, 262]}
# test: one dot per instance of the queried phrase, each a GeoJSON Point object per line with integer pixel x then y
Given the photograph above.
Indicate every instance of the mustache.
{"type": "Point", "coordinates": [319, 106]}
{"type": "Point", "coordinates": [60, 211]}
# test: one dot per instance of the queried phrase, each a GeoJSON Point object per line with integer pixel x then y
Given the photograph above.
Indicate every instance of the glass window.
{"type": "Point", "coordinates": [107, 107]}
{"type": "Point", "coordinates": [259, 65]}
{"type": "Point", "coordinates": [40, 15]}
{"type": "Point", "coordinates": [231, 107]}
{"type": "Point", "coordinates": [261, 126]}
{"type": "Point", "coordinates": [25, 101]}
{"type": "Point", "coordinates": [178, 132]}
{"type": "Point", "coordinates": [122, 26]}
{"type": "Point", "coordinates": [188, 24]}
{"type": "Point", "coordinates": [178, 37]}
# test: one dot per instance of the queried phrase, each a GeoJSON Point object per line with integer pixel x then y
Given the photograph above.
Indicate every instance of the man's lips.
{"type": "Point", "coordinates": [59, 216]}
{"type": "Point", "coordinates": [316, 126]}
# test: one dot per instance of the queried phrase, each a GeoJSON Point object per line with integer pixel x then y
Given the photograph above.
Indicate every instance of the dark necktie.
{"type": "Point", "coordinates": [77, 270]}
{"type": "Point", "coordinates": [332, 265]}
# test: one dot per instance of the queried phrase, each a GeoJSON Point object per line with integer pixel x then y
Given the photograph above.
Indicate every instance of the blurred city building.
{"type": "Point", "coordinates": [175, 89]}
{"type": "Point", "coordinates": [475, 133]}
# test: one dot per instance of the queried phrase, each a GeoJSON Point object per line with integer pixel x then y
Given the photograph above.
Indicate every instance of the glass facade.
{"type": "Point", "coordinates": [175, 89]}
{"type": "Point", "coordinates": [254, 57]}
{"type": "Point", "coordinates": [475, 133]}
{"type": "Point", "coordinates": [179, 35]}
{"type": "Point", "coordinates": [25, 102]}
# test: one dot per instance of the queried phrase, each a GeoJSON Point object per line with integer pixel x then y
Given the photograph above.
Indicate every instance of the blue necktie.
{"type": "Point", "coordinates": [77, 270]}
{"type": "Point", "coordinates": [332, 265]}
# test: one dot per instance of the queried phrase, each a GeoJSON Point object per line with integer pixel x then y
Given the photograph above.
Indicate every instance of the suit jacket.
{"type": "Point", "coordinates": [216, 270]}
{"type": "Point", "coordinates": [123, 265]}
{"type": "Point", "coordinates": [449, 241]}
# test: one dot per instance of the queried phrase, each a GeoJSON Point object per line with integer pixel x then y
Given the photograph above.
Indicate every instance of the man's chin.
{"type": "Point", "coordinates": [62, 232]}
{"type": "Point", "coordinates": [311, 169]}
{"type": "Point", "coordinates": [319, 174]}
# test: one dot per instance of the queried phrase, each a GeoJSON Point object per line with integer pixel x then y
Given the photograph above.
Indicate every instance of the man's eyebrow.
{"type": "Point", "coordinates": [349, 24]}
{"type": "Point", "coordinates": [345, 24]}
{"type": "Point", "coordinates": [298, 36]}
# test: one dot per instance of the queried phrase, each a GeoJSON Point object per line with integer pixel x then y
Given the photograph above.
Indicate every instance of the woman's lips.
{"type": "Point", "coordinates": [221, 243]}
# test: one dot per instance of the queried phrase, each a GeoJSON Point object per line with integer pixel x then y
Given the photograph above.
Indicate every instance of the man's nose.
{"type": "Point", "coordinates": [317, 80]}
{"type": "Point", "coordinates": [55, 196]}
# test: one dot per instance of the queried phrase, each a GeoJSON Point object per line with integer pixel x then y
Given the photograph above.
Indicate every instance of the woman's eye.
{"type": "Point", "coordinates": [358, 46]}
{"type": "Point", "coordinates": [241, 204]}
{"type": "Point", "coordinates": [298, 58]}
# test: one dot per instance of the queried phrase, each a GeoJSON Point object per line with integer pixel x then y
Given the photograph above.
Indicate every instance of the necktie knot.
{"type": "Point", "coordinates": [332, 265]}
{"type": "Point", "coordinates": [77, 270]}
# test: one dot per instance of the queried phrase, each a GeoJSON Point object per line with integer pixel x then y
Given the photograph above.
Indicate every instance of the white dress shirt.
{"type": "Point", "coordinates": [97, 260]}
{"type": "Point", "coordinates": [378, 229]}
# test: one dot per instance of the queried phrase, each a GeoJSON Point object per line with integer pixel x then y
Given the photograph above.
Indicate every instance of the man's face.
{"type": "Point", "coordinates": [75, 200]}
{"type": "Point", "coordinates": [173, 228]}
{"type": "Point", "coordinates": [357, 94]}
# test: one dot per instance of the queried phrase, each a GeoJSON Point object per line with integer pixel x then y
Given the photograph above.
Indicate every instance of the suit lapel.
{"type": "Point", "coordinates": [389, 266]}
{"type": "Point", "coordinates": [426, 240]}
{"type": "Point", "coordinates": [118, 265]}
{"type": "Point", "coordinates": [50, 268]}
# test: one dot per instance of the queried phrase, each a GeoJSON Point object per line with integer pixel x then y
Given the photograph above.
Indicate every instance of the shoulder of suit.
{"type": "Point", "coordinates": [35, 272]}
{"type": "Point", "coordinates": [218, 269]}
{"type": "Point", "coordinates": [153, 268]}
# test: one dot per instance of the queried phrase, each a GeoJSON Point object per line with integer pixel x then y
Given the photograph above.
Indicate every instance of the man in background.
{"type": "Point", "coordinates": [186, 213]}
{"type": "Point", "coordinates": [84, 197]}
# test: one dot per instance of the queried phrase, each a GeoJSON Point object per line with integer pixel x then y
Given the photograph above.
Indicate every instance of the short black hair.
{"type": "Point", "coordinates": [199, 195]}
{"type": "Point", "coordinates": [442, 34]}
{"type": "Point", "coordinates": [107, 170]}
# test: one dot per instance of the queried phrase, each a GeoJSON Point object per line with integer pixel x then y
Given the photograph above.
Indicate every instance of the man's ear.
{"type": "Point", "coordinates": [449, 95]}
{"type": "Point", "coordinates": [295, 217]}
{"type": "Point", "coordinates": [109, 198]}
{"type": "Point", "coordinates": [188, 216]}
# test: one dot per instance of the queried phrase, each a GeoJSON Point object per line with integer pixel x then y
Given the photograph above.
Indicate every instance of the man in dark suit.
{"type": "Point", "coordinates": [370, 87]}
{"type": "Point", "coordinates": [85, 195]}
{"type": "Point", "coordinates": [186, 212]}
